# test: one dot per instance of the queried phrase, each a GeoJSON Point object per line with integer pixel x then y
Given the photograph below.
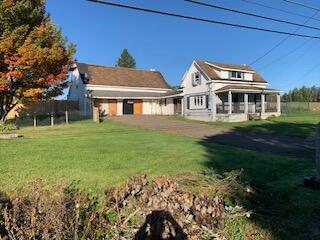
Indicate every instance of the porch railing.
{"type": "Point", "coordinates": [223, 108]}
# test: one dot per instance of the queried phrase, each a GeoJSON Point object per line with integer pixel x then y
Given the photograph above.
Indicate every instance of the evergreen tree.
{"type": "Point", "coordinates": [126, 60]}
{"type": "Point", "coordinates": [303, 94]}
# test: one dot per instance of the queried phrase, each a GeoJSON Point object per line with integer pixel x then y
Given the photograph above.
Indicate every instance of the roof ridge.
{"type": "Point", "coordinates": [133, 69]}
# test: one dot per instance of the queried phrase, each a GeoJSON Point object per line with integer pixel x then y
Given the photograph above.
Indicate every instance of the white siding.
{"type": "Point", "coordinates": [167, 109]}
{"type": "Point", "coordinates": [153, 107]}
{"type": "Point", "coordinates": [77, 92]}
{"type": "Point", "coordinates": [148, 107]}
{"type": "Point", "coordinates": [187, 82]}
{"type": "Point", "coordinates": [248, 76]}
{"type": "Point", "coordinates": [120, 107]}
{"type": "Point", "coordinates": [224, 74]}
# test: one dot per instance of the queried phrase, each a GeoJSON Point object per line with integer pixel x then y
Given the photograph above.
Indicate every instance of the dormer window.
{"type": "Point", "coordinates": [196, 79]}
{"type": "Point", "coordinates": [236, 75]}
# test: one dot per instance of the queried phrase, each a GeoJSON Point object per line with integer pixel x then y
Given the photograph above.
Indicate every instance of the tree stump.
{"type": "Point", "coordinates": [96, 115]}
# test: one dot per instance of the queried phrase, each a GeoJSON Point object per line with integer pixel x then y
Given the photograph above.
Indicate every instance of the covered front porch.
{"type": "Point", "coordinates": [240, 103]}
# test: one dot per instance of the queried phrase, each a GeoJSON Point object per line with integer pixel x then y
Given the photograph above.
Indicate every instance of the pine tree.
{"type": "Point", "coordinates": [126, 60]}
{"type": "Point", "coordinates": [303, 94]}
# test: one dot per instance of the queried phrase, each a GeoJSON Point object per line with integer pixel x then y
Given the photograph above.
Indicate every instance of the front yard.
{"type": "Point", "coordinates": [297, 124]}
{"type": "Point", "coordinates": [100, 155]}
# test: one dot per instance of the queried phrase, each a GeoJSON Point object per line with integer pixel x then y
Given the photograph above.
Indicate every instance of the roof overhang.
{"type": "Point", "coordinates": [248, 89]}
{"type": "Point", "coordinates": [104, 94]}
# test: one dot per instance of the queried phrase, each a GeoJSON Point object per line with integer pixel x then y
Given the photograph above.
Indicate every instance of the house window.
{"type": "Point", "coordinates": [197, 102]}
{"type": "Point", "coordinates": [236, 75]}
{"type": "Point", "coordinates": [196, 79]}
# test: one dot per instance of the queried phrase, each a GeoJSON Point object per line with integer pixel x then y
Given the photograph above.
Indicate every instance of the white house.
{"type": "Point", "coordinates": [209, 91]}
{"type": "Point", "coordinates": [118, 91]}
{"type": "Point", "coordinates": [227, 92]}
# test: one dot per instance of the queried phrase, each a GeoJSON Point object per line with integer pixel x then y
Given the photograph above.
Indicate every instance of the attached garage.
{"type": "Point", "coordinates": [132, 107]}
{"type": "Point", "coordinates": [116, 91]}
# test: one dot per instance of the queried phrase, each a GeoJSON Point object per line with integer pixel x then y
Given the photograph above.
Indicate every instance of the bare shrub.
{"type": "Point", "coordinates": [138, 209]}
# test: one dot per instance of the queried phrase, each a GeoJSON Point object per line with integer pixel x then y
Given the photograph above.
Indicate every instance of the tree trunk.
{"type": "Point", "coordinates": [318, 150]}
{"type": "Point", "coordinates": [3, 117]}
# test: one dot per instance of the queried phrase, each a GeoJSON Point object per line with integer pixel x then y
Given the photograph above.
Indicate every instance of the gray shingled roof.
{"type": "Point", "coordinates": [209, 71]}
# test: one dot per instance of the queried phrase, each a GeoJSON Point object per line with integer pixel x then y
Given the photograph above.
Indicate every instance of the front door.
{"type": "Point", "coordinates": [177, 106]}
{"type": "Point", "coordinates": [128, 106]}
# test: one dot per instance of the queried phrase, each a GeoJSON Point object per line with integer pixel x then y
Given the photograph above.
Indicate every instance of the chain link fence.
{"type": "Point", "coordinates": [288, 107]}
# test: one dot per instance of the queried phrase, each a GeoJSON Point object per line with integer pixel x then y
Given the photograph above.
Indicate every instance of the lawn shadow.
{"type": "Point", "coordinates": [274, 166]}
{"type": "Point", "coordinates": [160, 225]}
{"type": "Point", "coordinates": [4, 200]}
{"type": "Point", "coordinates": [259, 141]}
{"type": "Point", "coordinates": [294, 129]}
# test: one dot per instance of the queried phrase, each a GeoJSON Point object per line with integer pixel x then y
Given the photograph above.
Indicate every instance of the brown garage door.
{"type": "Point", "coordinates": [112, 107]}
{"type": "Point", "coordinates": [137, 107]}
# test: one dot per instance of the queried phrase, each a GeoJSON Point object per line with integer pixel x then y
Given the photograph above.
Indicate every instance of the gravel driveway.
{"type": "Point", "coordinates": [206, 133]}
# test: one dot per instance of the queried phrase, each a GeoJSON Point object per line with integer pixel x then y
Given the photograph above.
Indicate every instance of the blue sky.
{"type": "Point", "coordinates": [170, 44]}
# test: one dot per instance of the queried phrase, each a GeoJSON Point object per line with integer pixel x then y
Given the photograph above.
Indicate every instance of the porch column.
{"type": "Point", "coordinates": [230, 102]}
{"type": "Point", "coordinates": [278, 103]}
{"type": "Point", "coordinates": [182, 106]}
{"type": "Point", "coordinates": [263, 109]}
{"type": "Point", "coordinates": [246, 106]}
{"type": "Point", "coordinates": [213, 106]}
{"type": "Point", "coordinates": [185, 105]}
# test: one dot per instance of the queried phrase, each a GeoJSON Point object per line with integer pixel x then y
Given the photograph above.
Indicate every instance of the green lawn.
{"type": "Point", "coordinates": [99, 155]}
{"type": "Point", "coordinates": [297, 124]}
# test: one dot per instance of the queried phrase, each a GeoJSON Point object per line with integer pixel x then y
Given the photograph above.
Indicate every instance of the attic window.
{"type": "Point", "coordinates": [85, 78]}
{"type": "Point", "coordinates": [236, 75]}
{"type": "Point", "coordinates": [196, 79]}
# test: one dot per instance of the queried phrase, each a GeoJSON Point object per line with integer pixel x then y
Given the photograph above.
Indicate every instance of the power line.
{"type": "Point", "coordinates": [278, 9]}
{"type": "Point", "coordinates": [201, 19]}
{"type": "Point", "coordinates": [285, 55]}
{"type": "Point", "coordinates": [280, 43]}
{"type": "Point", "coordinates": [251, 14]}
{"type": "Point", "coordinates": [307, 73]}
{"type": "Point", "coordinates": [302, 5]}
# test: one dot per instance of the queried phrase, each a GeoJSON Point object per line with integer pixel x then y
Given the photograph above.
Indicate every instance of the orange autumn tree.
{"type": "Point", "coordinates": [34, 56]}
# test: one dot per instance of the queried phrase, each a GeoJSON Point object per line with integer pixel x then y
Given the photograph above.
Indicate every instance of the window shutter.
{"type": "Point", "coordinates": [207, 101]}
{"type": "Point", "coordinates": [188, 102]}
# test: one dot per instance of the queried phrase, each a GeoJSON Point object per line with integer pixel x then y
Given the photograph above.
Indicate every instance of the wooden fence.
{"type": "Point", "coordinates": [54, 107]}
{"type": "Point", "coordinates": [300, 106]}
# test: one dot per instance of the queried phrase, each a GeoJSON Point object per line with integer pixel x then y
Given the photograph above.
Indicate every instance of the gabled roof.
{"type": "Point", "coordinates": [208, 69]}
{"type": "Point", "coordinates": [126, 77]}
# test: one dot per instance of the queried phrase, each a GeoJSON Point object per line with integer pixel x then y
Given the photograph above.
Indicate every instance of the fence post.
{"type": "Point", "coordinates": [67, 118]}
{"type": "Point", "coordinates": [34, 120]}
{"type": "Point", "coordinates": [52, 120]}
{"type": "Point", "coordinates": [318, 150]}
